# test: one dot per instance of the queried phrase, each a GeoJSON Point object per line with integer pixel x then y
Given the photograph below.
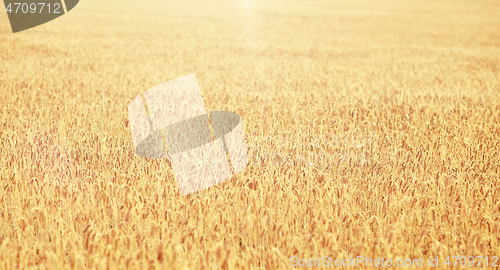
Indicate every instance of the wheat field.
{"type": "Point", "coordinates": [372, 127]}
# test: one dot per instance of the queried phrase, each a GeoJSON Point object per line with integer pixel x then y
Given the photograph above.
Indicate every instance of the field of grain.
{"type": "Point", "coordinates": [373, 129]}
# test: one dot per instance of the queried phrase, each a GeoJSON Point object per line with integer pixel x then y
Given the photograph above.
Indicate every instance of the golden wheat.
{"type": "Point", "coordinates": [372, 129]}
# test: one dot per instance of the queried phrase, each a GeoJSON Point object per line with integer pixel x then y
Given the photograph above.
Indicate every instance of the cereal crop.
{"type": "Point", "coordinates": [372, 127]}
